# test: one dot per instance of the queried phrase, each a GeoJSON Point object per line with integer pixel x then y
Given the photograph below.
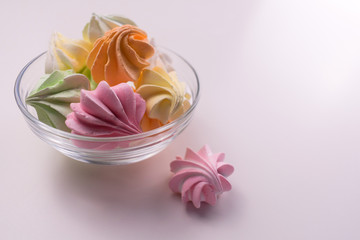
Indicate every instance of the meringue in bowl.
{"type": "Point", "coordinates": [106, 150]}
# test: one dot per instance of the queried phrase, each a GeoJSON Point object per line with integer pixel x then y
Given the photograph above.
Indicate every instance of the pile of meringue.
{"type": "Point", "coordinates": [114, 82]}
{"type": "Point", "coordinates": [111, 83]}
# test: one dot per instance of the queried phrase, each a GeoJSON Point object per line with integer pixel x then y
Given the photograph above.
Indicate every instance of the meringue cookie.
{"type": "Point", "coordinates": [200, 177]}
{"type": "Point", "coordinates": [148, 124]}
{"type": "Point", "coordinates": [99, 25]}
{"type": "Point", "coordinates": [165, 96]}
{"type": "Point", "coordinates": [65, 53]}
{"type": "Point", "coordinates": [160, 59]}
{"type": "Point", "coordinates": [120, 55]}
{"type": "Point", "coordinates": [107, 112]}
{"type": "Point", "coordinates": [52, 98]}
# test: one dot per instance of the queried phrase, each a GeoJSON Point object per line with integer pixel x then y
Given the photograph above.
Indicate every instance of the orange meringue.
{"type": "Point", "coordinates": [120, 55]}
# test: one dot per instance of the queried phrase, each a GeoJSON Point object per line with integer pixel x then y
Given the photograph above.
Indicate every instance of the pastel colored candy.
{"type": "Point", "coordinates": [65, 53]}
{"type": "Point", "coordinates": [160, 59]}
{"type": "Point", "coordinates": [99, 25]}
{"type": "Point", "coordinates": [165, 96]}
{"type": "Point", "coordinates": [107, 112]}
{"type": "Point", "coordinates": [52, 98]}
{"type": "Point", "coordinates": [148, 124]}
{"type": "Point", "coordinates": [120, 55]}
{"type": "Point", "coordinates": [200, 176]}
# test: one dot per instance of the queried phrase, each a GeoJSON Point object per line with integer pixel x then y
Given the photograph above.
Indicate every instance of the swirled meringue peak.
{"type": "Point", "coordinates": [52, 98]}
{"type": "Point", "coordinates": [99, 25]}
{"type": "Point", "coordinates": [120, 55]}
{"type": "Point", "coordinates": [107, 112]}
{"type": "Point", "coordinates": [65, 53]}
{"type": "Point", "coordinates": [166, 97]}
{"type": "Point", "coordinates": [200, 177]}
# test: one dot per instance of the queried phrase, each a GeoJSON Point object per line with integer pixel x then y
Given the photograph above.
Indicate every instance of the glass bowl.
{"type": "Point", "coordinates": [106, 150]}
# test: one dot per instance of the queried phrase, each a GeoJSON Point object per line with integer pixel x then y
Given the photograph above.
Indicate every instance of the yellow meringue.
{"type": "Point", "coordinates": [165, 96]}
{"type": "Point", "coordinates": [65, 53]}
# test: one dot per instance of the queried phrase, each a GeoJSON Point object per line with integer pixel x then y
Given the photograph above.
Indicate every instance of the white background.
{"type": "Point", "coordinates": [280, 96]}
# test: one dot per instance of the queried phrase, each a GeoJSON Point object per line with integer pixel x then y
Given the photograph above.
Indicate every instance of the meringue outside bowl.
{"type": "Point", "coordinates": [106, 150]}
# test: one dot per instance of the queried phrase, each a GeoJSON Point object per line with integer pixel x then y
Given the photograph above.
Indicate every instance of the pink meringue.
{"type": "Point", "coordinates": [200, 177]}
{"type": "Point", "coordinates": [107, 112]}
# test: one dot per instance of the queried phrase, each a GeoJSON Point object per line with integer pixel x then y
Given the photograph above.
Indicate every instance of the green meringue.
{"type": "Point", "coordinates": [52, 98]}
{"type": "Point", "coordinates": [99, 25]}
{"type": "Point", "coordinates": [86, 71]}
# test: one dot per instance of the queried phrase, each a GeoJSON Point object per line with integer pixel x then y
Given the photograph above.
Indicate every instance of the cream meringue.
{"type": "Point", "coordinates": [160, 59]}
{"type": "Point", "coordinates": [99, 25]}
{"type": "Point", "coordinates": [200, 177]}
{"type": "Point", "coordinates": [65, 53]}
{"type": "Point", "coordinates": [52, 98]}
{"type": "Point", "coordinates": [165, 96]}
{"type": "Point", "coordinates": [120, 55]}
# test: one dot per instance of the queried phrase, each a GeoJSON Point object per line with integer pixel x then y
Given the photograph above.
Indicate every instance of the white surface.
{"type": "Point", "coordinates": [280, 96]}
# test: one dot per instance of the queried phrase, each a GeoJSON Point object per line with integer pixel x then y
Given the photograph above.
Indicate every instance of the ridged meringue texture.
{"type": "Point", "coordinates": [52, 98]}
{"type": "Point", "coordinates": [200, 177]}
{"type": "Point", "coordinates": [120, 55]}
{"type": "Point", "coordinates": [107, 112]}
{"type": "Point", "coordinates": [165, 96]}
{"type": "Point", "coordinates": [99, 25]}
{"type": "Point", "coordinates": [65, 53]}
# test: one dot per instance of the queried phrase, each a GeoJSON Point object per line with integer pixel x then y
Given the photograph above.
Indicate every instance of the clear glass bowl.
{"type": "Point", "coordinates": [106, 150]}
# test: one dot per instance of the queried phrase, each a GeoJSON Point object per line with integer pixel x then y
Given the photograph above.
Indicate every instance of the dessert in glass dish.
{"type": "Point", "coordinates": [112, 97]}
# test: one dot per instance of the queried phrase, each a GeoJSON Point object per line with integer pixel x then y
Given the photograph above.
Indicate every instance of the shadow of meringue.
{"type": "Point", "coordinates": [223, 208]}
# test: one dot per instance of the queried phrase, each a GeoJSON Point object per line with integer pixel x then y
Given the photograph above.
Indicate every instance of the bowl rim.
{"type": "Point", "coordinates": [58, 132]}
